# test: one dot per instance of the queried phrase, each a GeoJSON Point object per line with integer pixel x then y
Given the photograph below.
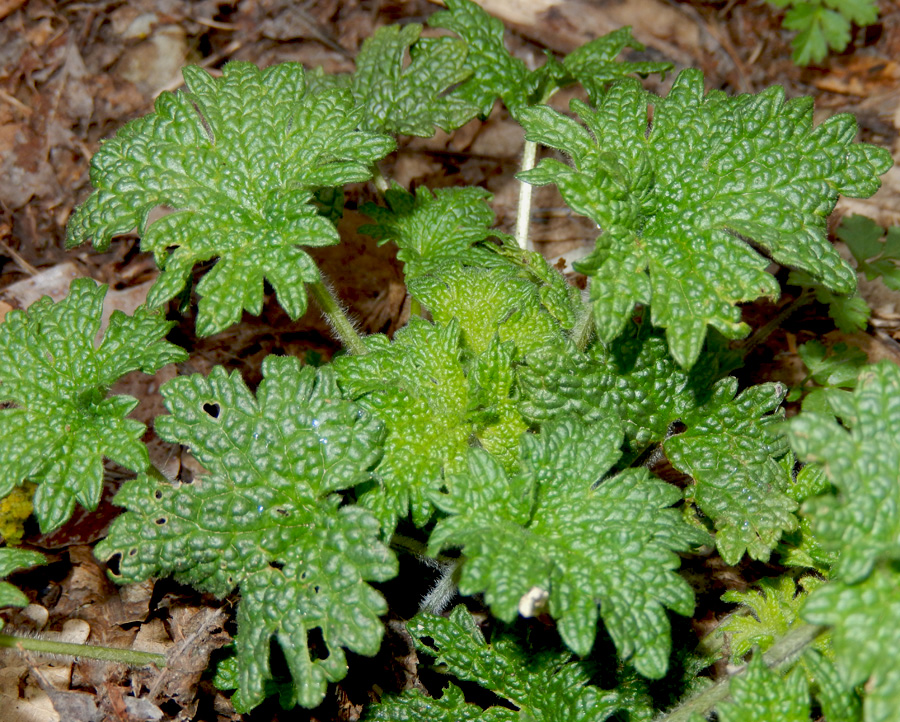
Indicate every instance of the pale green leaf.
{"type": "Point", "coordinates": [762, 695]}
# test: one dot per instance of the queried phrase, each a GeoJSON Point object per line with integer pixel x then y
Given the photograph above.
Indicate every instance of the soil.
{"type": "Point", "coordinates": [72, 73]}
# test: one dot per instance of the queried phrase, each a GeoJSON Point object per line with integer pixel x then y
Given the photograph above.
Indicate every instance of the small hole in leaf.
{"type": "Point", "coordinates": [303, 575]}
{"type": "Point", "coordinates": [132, 552]}
{"type": "Point", "coordinates": [162, 520]}
{"type": "Point", "coordinates": [113, 564]}
{"type": "Point", "coordinates": [282, 512]}
{"type": "Point", "coordinates": [211, 410]}
{"type": "Point", "coordinates": [316, 589]}
{"type": "Point", "coordinates": [277, 565]}
{"type": "Point", "coordinates": [157, 494]}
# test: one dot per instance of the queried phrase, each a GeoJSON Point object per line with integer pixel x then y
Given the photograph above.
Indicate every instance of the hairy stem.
{"type": "Point", "coordinates": [337, 318]}
{"type": "Point", "coordinates": [784, 652]}
{"type": "Point", "coordinates": [131, 657]}
{"type": "Point", "coordinates": [523, 212]}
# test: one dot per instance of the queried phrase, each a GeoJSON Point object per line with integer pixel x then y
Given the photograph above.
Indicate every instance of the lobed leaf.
{"type": "Point", "coordinates": [865, 639]}
{"type": "Point", "coordinates": [676, 204]}
{"type": "Point", "coordinates": [730, 449]}
{"type": "Point", "coordinates": [862, 461]}
{"type": "Point", "coordinates": [433, 406]}
{"type": "Point", "coordinates": [237, 160]}
{"type": "Point", "coordinates": [411, 97]}
{"type": "Point", "coordinates": [551, 529]}
{"type": "Point", "coordinates": [545, 686]}
{"type": "Point", "coordinates": [761, 695]}
{"type": "Point", "coordinates": [431, 228]}
{"type": "Point", "coordinates": [265, 519]}
{"type": "Point", "coordinates": [62, 423]}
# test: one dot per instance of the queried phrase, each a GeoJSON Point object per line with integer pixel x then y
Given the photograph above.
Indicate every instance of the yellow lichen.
{"type": "Point", "coordinates": [15, 508]}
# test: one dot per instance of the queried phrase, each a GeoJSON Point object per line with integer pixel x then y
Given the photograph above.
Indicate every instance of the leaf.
{"type": "Point", "coordinates": [875, 257]}
{"type": "Point", "coordinates": [237, 159]}
{"type": "Point", "coordinates": [431, 228]}
{"type": "Point", "coordinates": [493, 71]}
{"type": "Point", "coordinates": [266, 519]}
{"type": "Point", "coordinates": [837, 366]}
{"type": "Point", "coordinates": [548, 529]}
{"type": "Point", "coordinates": [862, 461]}
{"type": "Point", "coordinates": [411, 97]}
{"type": "Point", "coordinates": [730, 449]}
{"type": "Point", "coordinates": [545, 685]}
{"type": "Point", "coordinates": [63, 423]}
{"type": "Point", "coordinates": [675, 204]}
{"type": "Point", "coordinates": [864, 636]}
{"type": "Point", "coordinates": [818, 30]}
{"type": "Point", "coordinates": [12, 560]}
{"type": "Point", "coordinates": [768, 611]}
{"type": "Point", "coordinates": [849, 313]}
{"type": "Point", "coordinates": [488, 303]}
{"type": "Point", "coordinates": [761, 695]}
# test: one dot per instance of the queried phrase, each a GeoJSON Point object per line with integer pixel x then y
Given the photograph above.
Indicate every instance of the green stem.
{"type": "Point", "coordinates": [130, 657]}
{"type": "Point", "coordinates": [763, 332]}
{"type": "Point", "coordinates": [337, 318]}
{"type": "Point", "coordinates": [785, 652]}
{"type": "Point", "coordinates": [523, 213]}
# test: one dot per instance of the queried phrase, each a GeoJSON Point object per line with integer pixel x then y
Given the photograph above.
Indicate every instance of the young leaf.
{"type": "Point", "coordinates": [12, 560]}
{"type": "Point", "coordinates": [488, 303]}
{"type": "Point", "coordinates": [432, 228]}
{"type": "Point", "coordinates": [63, 423]}
{"type": "Point", "coordinates": [824, 25]}
{"type": "Point", "coordinates": [541, 686]}
{"type": "Point", "coordinates": [761, 695]}
{"type": "Point", "coordinates": [849, 313]}
{"type": "Point", "coordinates": [418, 386]}
{"type": "Point", "coordinates": [729, 448]}
{"type": "Point", "coordinates": [495, 72]}
{"type": "Point", "coordinates": [874, 257]}
{"type": "Point", "coordinates": [413, 97]}
{"type": "Point", "coordinates": [772, 606]}
{"type": "Point", "coordinates": [265, 519]}
{"type": "Point", "coordinates": [676, 203]}
{"type": "Point", "coordinates": [237, 159]}
{"type": "Point", "coordinates": [864, 636]}
{"type": "Point", "coordinates": [862, 460]}
{"type": "Point", "coordinates": [548, 529]}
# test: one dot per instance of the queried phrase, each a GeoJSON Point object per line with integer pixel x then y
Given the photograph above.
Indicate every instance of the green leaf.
{"type": "Point", "coordinates": [237, 159]}
{"type": "Point", "coordinates": [837, 366]}
{"type": "Point", "coordinates": [761, 695]}
{"type": "Point", "coordinates": [411, 97]}
{"type": "Point", "coordinates": [818, 30]}
{"type": "Point", "coordinates": [433, 406]}
{"type": "Point", "coordinates": [729, 448]}
{"type": "Point", "coordinates": [488, 303]}
{"type": "Point", "coordinates": [768, 611]}
{"type": "Point", "coordinates": [544, 685]}
{"type": "Point", "coordinates": [547, 532]}
{"type": "Point", "coordinates": [265, 519]}
{"type": "Point", "coordinates": [862, 461]}
{"type": "Point", "coordinates": [875, 257]}
{"type": "Point", "coordinates": [494, 71]}
{"type": "Point", "coordinates": [849, 313]}
{"type": "Point", "coordinates": [12, 560]}
{"type": "Point", "coordinates": [62, 423]}
{"type": "Point", "coordinates": [675, 204]}
{"type": "Point", "coordinates": [432, 228]}
{"type": "Point", "coordinates": [864, 636]}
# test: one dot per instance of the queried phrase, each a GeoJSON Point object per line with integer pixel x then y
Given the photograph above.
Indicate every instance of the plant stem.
{"type": "Point", "coordinates": [763, 332]}
{"type": "Point", "coordinates": [379, 180]}
{"type": "Point", "coordinates": [337, 318]}
{"type": "Point", "coordinates": [784, 652]}
{"type": "Point", "coordinates": [131, 657]}
{"type": "Point", "coordinates": [523, 212]}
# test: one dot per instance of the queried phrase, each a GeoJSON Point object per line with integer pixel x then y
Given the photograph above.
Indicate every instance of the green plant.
{"type": "Point", "coordinates": [823, 25]}
{"type": "Point", "coordinates": [514, 431]}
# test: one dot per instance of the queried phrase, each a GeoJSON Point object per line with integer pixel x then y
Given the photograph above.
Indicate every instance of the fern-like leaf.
{"type": "Point", "coordinates": [62, 422]}
{"type": "Point", "coordinates": [266, 519]}
{"type": "Point", "coordinates": [237, 159]}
